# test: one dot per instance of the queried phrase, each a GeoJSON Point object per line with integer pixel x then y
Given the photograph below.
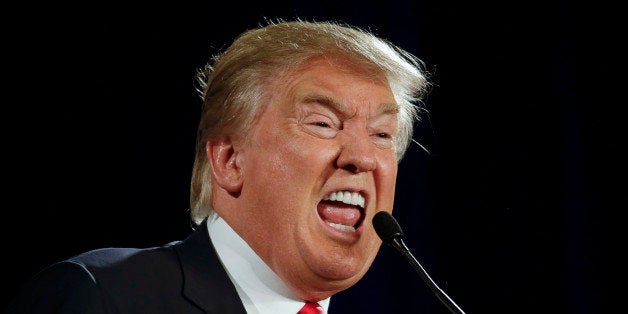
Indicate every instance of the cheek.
{"type": "Point", "coordinates": [290, 168]}
{"type": "Point", "coordinates": [305, 156]}
{"type": "Point", "coordinates": [291, 159]}
{"type": "Point", "coordinates": [387, 172]}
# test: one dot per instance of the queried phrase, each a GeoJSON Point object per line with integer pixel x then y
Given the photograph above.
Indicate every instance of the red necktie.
{"type": "Point", "coordinates": [311, 308]}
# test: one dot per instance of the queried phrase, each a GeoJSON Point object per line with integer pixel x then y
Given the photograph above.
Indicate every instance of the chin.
{"type": "Point", "coordinates": [326, 288]}
{"type": "Point", "coordinates": [342, 271]}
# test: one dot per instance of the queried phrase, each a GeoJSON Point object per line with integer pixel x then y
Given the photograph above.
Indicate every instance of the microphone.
{"type": "Point", "coordinates": [390, 232]}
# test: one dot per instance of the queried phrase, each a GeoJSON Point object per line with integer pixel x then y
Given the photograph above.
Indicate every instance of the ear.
{"type": "Point", "coordinates": [223, 156]}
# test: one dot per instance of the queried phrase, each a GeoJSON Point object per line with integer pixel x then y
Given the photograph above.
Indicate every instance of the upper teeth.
{"type": "Point", "coordinates": [351, 198]}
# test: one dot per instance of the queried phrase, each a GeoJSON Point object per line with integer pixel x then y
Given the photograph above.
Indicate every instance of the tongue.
{"type": "Point", "coordinates": [339, 213]}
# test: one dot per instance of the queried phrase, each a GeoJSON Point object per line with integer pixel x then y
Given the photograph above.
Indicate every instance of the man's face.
{"type": "Point", "coordinates": [316, 166]}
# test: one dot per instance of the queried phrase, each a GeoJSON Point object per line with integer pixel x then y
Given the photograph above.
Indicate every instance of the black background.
{"type": "Point", "coordinates": [510, 213]}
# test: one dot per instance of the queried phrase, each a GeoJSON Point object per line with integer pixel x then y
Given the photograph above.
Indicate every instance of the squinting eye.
{"type": "Point", "coordinates": [322, 124]}
{"type": "Point", "coordinates": [383, 139]}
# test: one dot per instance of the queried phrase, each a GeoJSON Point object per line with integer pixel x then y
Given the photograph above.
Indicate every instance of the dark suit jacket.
{"type": "Point", "coordinates": [181, 277]}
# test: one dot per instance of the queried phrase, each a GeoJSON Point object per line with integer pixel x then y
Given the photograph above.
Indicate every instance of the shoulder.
{"type": "Point", "coordinates": [64, 287]}
{"type": "Point", "coordinates": [120, 258]}
{"type": "Point", "coordinates": [116, 267]}
{"type": "Point", "coordinates": [92, 281]}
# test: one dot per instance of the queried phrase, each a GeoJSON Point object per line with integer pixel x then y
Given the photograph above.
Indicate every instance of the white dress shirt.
{"type": "Point", "coordinates": [261, 290]}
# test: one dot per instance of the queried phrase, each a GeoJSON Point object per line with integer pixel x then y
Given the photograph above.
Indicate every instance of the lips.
{"type": "Point", "coordinates": [342, 210]}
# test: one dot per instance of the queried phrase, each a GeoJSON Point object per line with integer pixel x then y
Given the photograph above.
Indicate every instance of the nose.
{"type": "Point", "coordinates": [357, 153]}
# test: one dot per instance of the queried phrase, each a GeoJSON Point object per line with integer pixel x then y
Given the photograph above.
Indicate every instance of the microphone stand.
{"type": "Point", "coordinates": [398, 243]}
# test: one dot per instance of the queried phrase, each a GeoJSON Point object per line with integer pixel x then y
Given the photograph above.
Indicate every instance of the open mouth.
{"type": "Point", "coordinates": [342, 210]}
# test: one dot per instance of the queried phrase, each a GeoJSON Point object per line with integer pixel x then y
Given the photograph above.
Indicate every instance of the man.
{"type": "Point", "coordinates": [302, 128]}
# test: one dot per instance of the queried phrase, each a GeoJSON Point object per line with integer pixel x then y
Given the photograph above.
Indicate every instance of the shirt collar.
{"type": "Point", "coordinates": [260, 289]}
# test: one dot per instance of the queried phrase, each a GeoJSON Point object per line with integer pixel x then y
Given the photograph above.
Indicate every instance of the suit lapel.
{"type": "Point", "coordinates": [205, 281]}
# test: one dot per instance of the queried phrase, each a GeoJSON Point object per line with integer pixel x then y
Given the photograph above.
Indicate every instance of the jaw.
{"type": "Point", "coordinates": [327, 255]}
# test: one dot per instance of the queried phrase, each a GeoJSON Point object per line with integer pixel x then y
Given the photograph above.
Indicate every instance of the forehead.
{"type": "Point", "coordinates": [338, 83]}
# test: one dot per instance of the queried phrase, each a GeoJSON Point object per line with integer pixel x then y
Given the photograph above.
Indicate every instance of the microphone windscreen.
{"type": "Point", "coordinates": [386, 226]}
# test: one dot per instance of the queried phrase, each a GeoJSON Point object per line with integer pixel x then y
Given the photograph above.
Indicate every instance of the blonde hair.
{"type": "Point", "coordinates": [232, 85]}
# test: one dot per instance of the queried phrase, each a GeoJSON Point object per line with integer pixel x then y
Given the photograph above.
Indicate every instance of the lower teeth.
{"type": "Point", "coordinates": [342, 227]}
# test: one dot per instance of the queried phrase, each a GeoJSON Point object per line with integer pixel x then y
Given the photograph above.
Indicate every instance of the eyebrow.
{"type": "Point", "coordinates": [385, 108]}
